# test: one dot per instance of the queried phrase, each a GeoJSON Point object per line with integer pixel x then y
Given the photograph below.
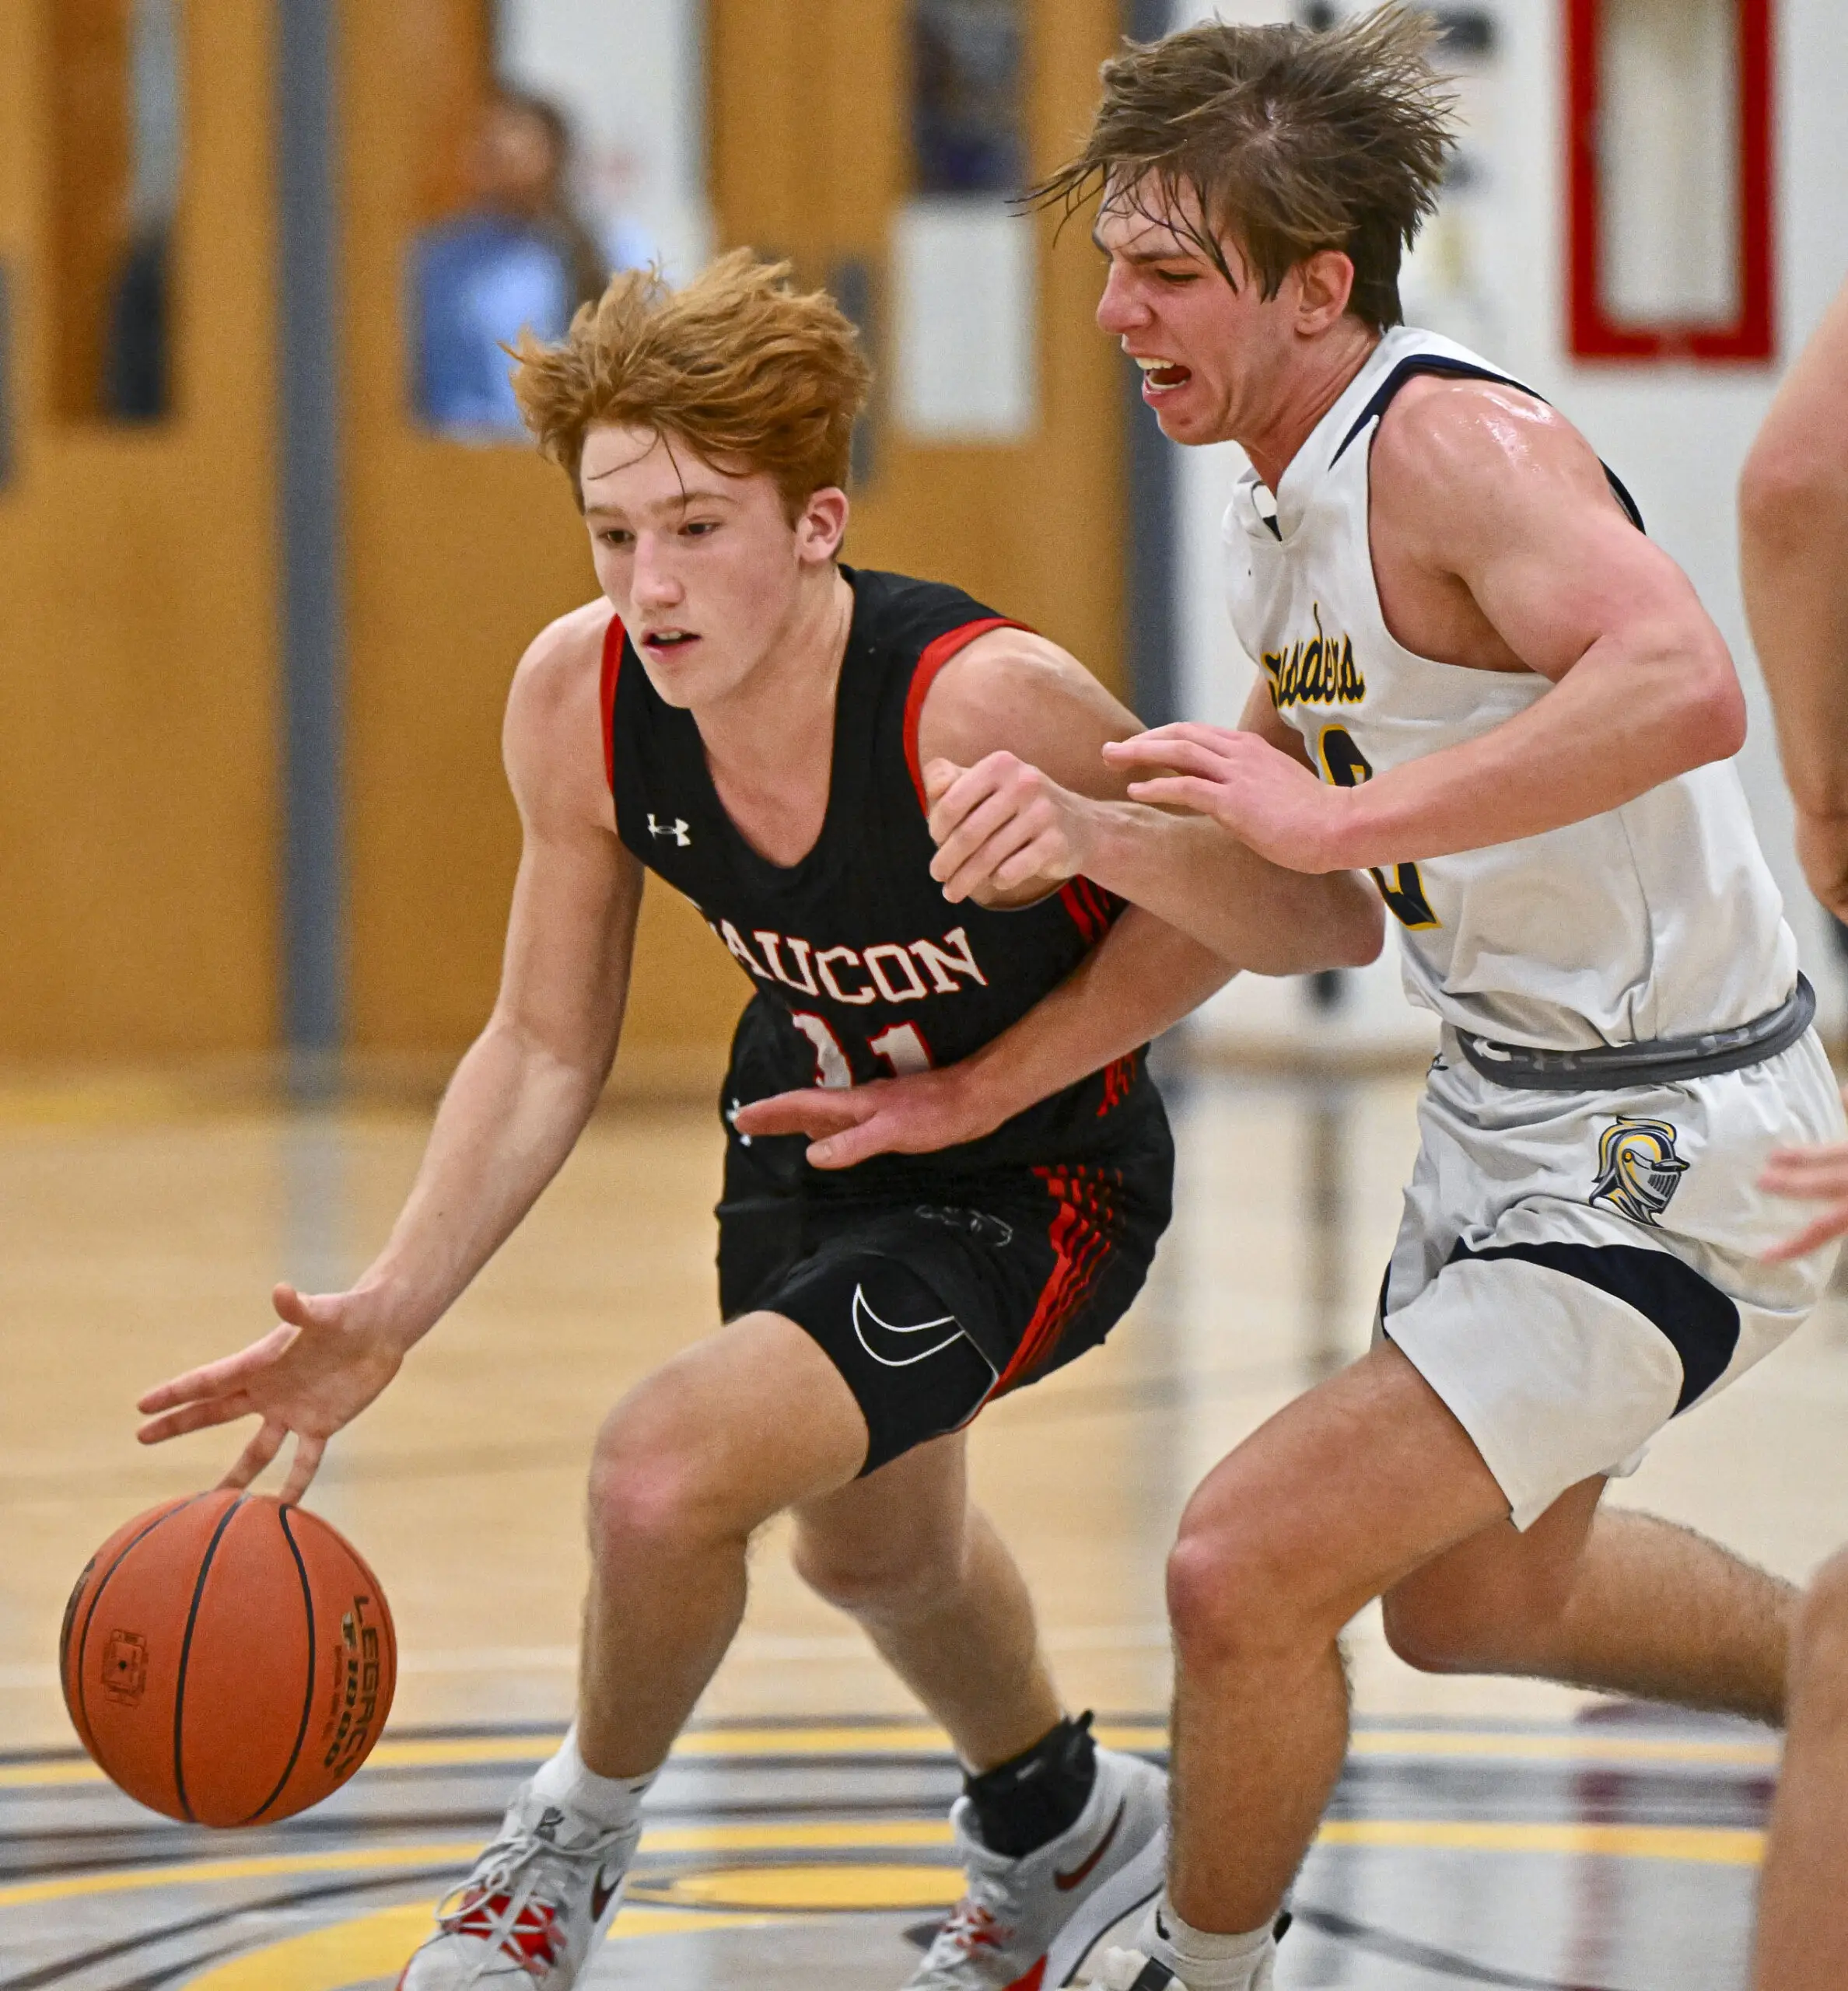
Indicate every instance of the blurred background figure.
{"type": "Point", "coordinates": [518, 257]}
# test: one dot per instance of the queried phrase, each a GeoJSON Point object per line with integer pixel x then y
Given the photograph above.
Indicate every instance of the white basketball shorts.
{"type": "Point", "coordinates": [1573, 1269]}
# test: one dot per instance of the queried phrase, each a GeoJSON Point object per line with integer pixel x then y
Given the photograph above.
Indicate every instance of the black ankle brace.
{"type": "Point", "coordinates": [1025, 1804]}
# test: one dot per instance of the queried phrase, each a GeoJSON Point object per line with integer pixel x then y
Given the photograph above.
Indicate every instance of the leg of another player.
{"type": "Point", "coordinates": [749, 1422]}
{"type": "Point", "coordinates": [1623, 1602]}
{"type": "Point", "coordinates": [1803, 1911]}
{"type": "Point", "coordinates": [1334, 1500]}
{"type": "Point", "coordinates": [923, 1571]}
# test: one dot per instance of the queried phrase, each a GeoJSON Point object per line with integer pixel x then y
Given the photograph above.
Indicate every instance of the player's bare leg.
{"type": "Point", "coordinates": [1369, 1486]}
{"type": "Point", "coordinates": [1803, 1916]}
{"type": "Point", "coordinates": [1337, 1497]}
{"type": "Point", "coordinates": [927, 1576]}
{"type": "Point", "coordinates": [1619, 1601]}
{"type": "Point", "coordinates": [749, 1422]}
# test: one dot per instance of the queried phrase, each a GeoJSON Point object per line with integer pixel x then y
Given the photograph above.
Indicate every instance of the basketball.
{"type": "Point", "coordinates": [228, 1660]}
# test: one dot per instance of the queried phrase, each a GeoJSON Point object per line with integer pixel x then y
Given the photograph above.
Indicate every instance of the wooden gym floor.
{"type": "Point", "coordinates": [1486, 1832]}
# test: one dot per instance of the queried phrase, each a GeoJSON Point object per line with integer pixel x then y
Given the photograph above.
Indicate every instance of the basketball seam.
{"type": "Point", "coordinates": [308, 1687]}
{"type": "Point", "coordinates": [192, 1619]}
{"type": "Point", "coordinates": [88, 1738]}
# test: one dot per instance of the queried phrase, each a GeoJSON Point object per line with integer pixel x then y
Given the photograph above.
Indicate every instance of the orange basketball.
{"type": "Point", "coordinates": [227, 1660]}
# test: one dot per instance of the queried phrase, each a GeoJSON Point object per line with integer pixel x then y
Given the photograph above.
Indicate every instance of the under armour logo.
{"type": "Point", "coordinates": [679, 829]}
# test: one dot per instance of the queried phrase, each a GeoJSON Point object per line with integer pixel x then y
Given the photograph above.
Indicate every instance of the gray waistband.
{"type": "Point", "coordinates": [1665, 1061]}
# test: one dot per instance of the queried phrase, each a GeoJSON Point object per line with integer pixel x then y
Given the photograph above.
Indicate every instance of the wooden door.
{"type": "Point", "coordinates": [458, 553]}
{"type": "Point", "coordinates": [138, 788]}
{"type": "Point", "coordinates": [811, 158]}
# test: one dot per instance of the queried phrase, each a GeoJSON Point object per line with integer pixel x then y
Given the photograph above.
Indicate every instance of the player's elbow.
{"type": "Point", "coordinates": [1698, 710]}
{"type": "Point", "coordinates": [1363, 924]}
{"type": "Point", "coordinates": [1711, 721]}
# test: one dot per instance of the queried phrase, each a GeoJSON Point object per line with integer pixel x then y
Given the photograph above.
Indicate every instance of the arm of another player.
{"type": "Point", "coordinates": [1145, 974]}
{"type": "Point", "coordinates": [518, 1101]}
{"type": "Point", "coordinates": [1499, 516]}
{"type": "Point", "coordinates": [1793, 560]}
{"type": "Point", "coordinates": [1023, 797]}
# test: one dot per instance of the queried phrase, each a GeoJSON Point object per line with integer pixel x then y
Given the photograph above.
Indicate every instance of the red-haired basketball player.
{"type": "Point", "coordinates": [754, 722]}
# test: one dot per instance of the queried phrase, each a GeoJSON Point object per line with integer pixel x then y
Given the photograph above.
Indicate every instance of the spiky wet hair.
{"type": "Point", "coordinates": [1290, 141]}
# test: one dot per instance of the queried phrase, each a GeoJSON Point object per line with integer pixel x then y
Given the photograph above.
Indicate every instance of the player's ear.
{"type": "Point", "coordinates": [822, 524]}
{"type": "Point", "coordinates": [1325, 283]}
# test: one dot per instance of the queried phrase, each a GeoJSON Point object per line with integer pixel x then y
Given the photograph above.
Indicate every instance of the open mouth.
{"type": "Point", "coordinates": [662, 642]}
{"type": "Point", "coordinates": [1161, 377]}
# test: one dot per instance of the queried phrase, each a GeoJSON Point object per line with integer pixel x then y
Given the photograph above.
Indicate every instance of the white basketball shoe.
{"type": "Point", "coordinates": [1141, 1968]}
{"type": "Point", "coordinates": [539, 1900]}
{"type": "Point", "coordinates": [1021, 1918]}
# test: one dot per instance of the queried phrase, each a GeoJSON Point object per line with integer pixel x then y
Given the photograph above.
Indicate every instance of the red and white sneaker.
{"type": "Point", "coordinates": [538, 1902]}
{"type": "Point", "coordinates": [1021, 1919]}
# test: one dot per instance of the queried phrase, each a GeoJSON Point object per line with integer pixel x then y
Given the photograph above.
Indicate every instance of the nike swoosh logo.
{"type": "Point", "coordinates": [1065, 1882]}
{"type": "Point", "coordinates": [600, 1895]}
{"type": "Point", "coordinates": [896, 1347]}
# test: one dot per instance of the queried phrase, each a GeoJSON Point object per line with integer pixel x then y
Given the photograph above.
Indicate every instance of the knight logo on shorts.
{"type": "Point", "coordinates": [1638, 1169]}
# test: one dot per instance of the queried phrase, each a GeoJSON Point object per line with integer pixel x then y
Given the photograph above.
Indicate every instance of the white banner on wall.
{"type": "Point", "coordinates": [963, 319]}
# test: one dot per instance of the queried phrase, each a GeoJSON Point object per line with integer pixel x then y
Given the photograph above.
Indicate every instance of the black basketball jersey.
{"type": "Point", "coordinates": [862, 968]}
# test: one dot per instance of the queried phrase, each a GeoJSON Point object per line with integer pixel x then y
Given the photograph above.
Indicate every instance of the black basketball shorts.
{"type": "Point", "coordinates": [932, 1302]}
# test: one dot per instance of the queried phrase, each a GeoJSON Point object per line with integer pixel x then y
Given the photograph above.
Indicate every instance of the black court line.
{"type": "Point", "coordinates": [1423, 1956]}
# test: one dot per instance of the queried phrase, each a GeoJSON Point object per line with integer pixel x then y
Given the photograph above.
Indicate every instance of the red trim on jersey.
{"type": "Point", "coordinates": [931, 659]}
{"type": "Point", "coordinates": [614, 637]}
{"type": "Point", "coordinates": [1092, 910]}
{"type": "Point", "coordinates": [1083, 1239]}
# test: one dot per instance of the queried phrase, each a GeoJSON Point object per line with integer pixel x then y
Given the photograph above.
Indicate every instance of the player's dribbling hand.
{"type": "Point", "coordinates": [1810, 1175]}
{"type": "Point", "coordinates": [1001, 827]}
{"type": "Point", "coordinates": [916, 1115]}
{"type": "Point", "coordinates": [1265, 798]}
{"type": "Point", "coordinates": [314, 1371]}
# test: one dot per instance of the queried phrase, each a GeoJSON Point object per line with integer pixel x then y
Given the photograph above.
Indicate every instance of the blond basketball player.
{"type": "Point", "coordinates": [749, 719]}
{"type": "Point", "coordinates": [1794, 549]}
{"type": "Point", "coordinates": [1481, 682]}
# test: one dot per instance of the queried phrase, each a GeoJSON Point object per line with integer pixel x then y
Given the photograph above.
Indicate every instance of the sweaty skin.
{"type": "Point", "coordinates": [1497, 546]}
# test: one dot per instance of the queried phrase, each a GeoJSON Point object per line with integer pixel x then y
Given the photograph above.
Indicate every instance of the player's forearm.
{"type": "Point", "coordinates": [511, 1115]}
{"type": "Point", "coordinates": [1618, 724]}
{"type": "Point", "coordinates": [1195, 876]}
{"type": "Point", "coordinates": [1795, 571]}
{"type": "Point", "coordinates": [1141, 979]}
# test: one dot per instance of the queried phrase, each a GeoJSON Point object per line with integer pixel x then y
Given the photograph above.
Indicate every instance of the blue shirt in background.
{"type": "Point", "coordinates": [477, 283]}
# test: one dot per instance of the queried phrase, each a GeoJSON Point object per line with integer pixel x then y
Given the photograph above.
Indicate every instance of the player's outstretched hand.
{"type": "Point", "coordinates": [916, 1115]}
{"type": "Point", "coordinates": [314, 1371]}
{"type": "Point", "coordinates": [1264, 798]}
{"type": "Point", "coordinates": [1810, 1175]}
{"type": "Point", "coordinates": [1001, 827]}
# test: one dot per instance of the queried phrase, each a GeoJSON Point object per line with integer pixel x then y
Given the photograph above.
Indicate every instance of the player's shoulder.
{"type": "Point", "coordinates": [552, 723]}
{"type": "Point", "coordinates": [1441, 429]}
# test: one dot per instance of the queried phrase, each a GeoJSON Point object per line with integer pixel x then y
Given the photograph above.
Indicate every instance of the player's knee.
{"type": "Point", "coordinates": [1232, 1596]}
{"type": "Point", "coordinates": [898, 1580]}
{"type": "Point", "coordinates": [648, 1492]}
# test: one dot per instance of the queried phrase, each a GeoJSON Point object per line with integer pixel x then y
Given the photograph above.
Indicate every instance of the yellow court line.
{"type": "Point", "coordinates": [1712, 1846]}
{"type": "Point", "coordinates": [666, 1838]}
{"type": "Point", "coordinates": [376, 1945]}
{"type": "Point", "coordinates": [907, 1740]}
{"type": "Point", "coordinates": [1560, 1748]}
{"type": "Point", "coordinates": [1703, 1845]}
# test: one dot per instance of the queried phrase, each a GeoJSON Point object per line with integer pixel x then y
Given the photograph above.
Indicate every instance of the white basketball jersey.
{"type": "Point", "coordinates": [1658, 919]}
